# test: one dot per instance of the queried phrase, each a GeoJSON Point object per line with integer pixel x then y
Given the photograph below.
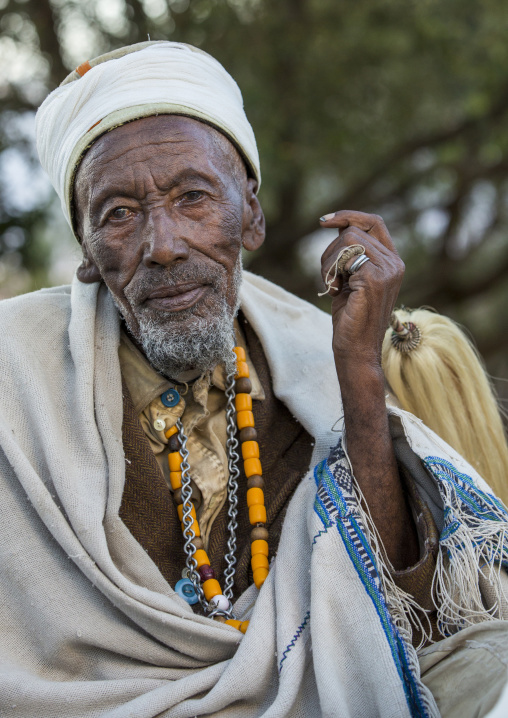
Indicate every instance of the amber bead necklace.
{"type": "Point", "coordinates": [204, 586]}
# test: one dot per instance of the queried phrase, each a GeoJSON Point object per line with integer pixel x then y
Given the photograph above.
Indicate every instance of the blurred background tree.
{"type": "Point", "coordinates": [398, 107]}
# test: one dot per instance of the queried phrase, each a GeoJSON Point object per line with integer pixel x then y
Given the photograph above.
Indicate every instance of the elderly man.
{"type": "Point", "coordinates": [178, 539]}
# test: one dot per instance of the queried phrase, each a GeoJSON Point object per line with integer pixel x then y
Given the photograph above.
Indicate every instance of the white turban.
{"type": "Point", "coordinates": [138, 81]}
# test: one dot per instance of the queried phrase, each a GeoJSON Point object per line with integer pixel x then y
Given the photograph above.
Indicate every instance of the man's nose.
{"type": "Point", "coordinates": [164, 240]}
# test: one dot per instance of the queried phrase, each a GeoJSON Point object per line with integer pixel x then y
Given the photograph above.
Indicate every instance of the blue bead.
{"type": "Point", "coordinates": [170, 397]}
{"type": "Point", "coordinates": [185, 589]}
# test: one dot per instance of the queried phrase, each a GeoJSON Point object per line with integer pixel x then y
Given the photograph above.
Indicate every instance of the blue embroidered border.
{"type": "Point", "coordinates": [334, 504]}
{"type": "Point", "coordinates": [475, 504]}
{"type": "Point", "coordinates": [479, 503]}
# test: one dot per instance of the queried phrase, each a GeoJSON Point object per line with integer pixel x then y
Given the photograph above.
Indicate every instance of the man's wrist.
{"type": "Point", "coordinates": [363, 390]}
{"type": "Point", "coordinates": [355, 372]}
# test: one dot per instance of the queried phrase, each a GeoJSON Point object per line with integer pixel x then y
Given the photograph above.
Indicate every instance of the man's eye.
{"type": "Point", "coordinates": [120, 213]}
{"type": "Point", "coordinates": [193, 195]}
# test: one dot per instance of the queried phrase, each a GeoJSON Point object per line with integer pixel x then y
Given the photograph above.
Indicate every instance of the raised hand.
{"type": "Point", "coordinates": [361, 308]}
{"type": "Point", "coordinates": [361, 303]}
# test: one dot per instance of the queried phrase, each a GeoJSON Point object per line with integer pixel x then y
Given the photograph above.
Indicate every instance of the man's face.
{"type": "Point", "coordinates": [163, 208]}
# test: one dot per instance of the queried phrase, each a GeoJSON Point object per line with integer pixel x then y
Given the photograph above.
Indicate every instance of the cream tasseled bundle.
{"type": "Point", "coordinates": [443, 382]}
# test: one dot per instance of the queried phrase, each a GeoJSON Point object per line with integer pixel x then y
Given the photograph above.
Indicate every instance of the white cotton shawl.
{"type": "Point", "coordinates": [141, 80]}
{"type": "Point", "coordinates": [89, 628]}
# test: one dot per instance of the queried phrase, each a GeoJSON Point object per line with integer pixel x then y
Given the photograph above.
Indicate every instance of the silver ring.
{"type": "Point", "coordinates": [359, 262]}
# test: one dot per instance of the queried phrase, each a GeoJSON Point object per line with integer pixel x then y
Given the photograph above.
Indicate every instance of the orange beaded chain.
{"type": "Point", "coordinates": [255, 494]}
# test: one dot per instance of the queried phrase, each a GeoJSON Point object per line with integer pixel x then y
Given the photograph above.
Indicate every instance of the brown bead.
{"type": "Point", "coordinates": [198, 543]}
{"type": "Point", "coordinates": [259, 533]}
{"type": "Point", "coordinates": [206, 572]}
{"type": "Point", "coordinates": [174, 443]}
{"type": "Point", "coordinates": [255, 482]}
{"type": "Point", "coordinates": [219, 618]}
{"type": "Point", "coordinates": [177, 497]}
{"type": "Point", "coordinates": [243, 386]}
{"type": "Point", "coordinates": [248, 434]}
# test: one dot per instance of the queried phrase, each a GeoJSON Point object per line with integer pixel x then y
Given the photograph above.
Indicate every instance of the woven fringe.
{"type": "Point", "coordinates": [404, 610]}
{"type": "Point", "coordinates": [473, 551]}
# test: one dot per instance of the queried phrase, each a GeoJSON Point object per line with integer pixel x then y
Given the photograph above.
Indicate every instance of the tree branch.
{"type": "Point", "coordinates": [46, 21]}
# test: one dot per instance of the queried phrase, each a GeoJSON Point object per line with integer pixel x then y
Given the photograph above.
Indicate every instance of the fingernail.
{"type": "Point", "coordinates": [326, 217]}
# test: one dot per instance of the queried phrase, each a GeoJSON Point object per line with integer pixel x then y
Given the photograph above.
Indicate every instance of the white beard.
{"type": "Point", "coordinates": [175, 343]}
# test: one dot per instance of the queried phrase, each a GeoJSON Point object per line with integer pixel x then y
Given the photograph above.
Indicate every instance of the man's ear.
{"type": "Point", "coordinates": [253, 234]}
{"type": "Point", "coordinates": [87, 271]}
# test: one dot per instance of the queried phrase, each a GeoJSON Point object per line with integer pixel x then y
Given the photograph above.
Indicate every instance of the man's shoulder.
{"type": "Point", "coordinates": [259, 294]}
{"type": "Point", "coordinates": [36, 312]}
{"type": "Point", "coordinates": [48, 296]}
{"type": "Point", "coordinates": [297, 341]}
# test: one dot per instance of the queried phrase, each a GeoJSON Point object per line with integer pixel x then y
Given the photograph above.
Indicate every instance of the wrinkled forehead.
{"type": "Point", "coordinates": [171, 134]}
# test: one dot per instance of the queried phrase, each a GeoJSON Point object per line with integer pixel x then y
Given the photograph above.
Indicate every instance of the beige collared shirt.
{"type": "Point", "coordinates": [202, 408]}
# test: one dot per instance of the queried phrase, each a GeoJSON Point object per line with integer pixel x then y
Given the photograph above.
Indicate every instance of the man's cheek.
{"type": "Point", "coordinates": [116, 266]}
{"type": "Point", "coordinates": [119, 284]}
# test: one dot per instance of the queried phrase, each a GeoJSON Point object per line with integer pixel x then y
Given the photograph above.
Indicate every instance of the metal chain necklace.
{"type": "Point", "coordinates": [188, 533]}
{"type": "Point", "coordinates": [216, 603]}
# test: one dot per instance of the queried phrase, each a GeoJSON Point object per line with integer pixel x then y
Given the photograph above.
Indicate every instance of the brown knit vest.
{"type": "Point", "coordinates": [150, 513]}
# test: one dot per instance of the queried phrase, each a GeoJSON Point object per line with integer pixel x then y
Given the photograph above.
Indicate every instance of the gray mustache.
{"type": "Point", "coordinates": [169, 277]}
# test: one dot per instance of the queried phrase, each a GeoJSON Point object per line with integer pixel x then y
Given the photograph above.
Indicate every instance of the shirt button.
{"type": "Point", "coordinates": [159, 424]}
{"type": "Point", "coordinates": [185, 589]}
{"type": "Point", "coordinates": [170, 397]}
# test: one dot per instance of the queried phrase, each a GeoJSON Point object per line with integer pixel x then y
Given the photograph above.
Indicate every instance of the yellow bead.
{"type": "Point", "coordinates": [244, 626]}
{"type": "Point", "coordinates": [211, 588]}
{"type": "Point", "coordinates": [259, 546]}
{"type": "Point", "coordinates": [240, 353]}
{"type": "Point", "coordinates": [250, 450]}
{"type": "Point", "coordinates": [257, 514]}
{"type": "Point", "coordinates": [171, 431]}
{"type": "Point", "coordinates": [242, 370]}
{"type": "Point", "coordinates": [176, 479]}
{"type": "Point", "coordinates": [180, 512]}
{"type": "Point", "coordinates": [259, 561]}
{"type": "Point", "coordinates": [175, 461]}
{"type": "Point", "coordinates": [243, 402]}
{"type": "Point", "coordinates": [252, 466]}
{"type": "Point", "coordinates": [260, 575]}
{"type": "Point", "coordinates": [255, 497]}
{"type": "Point", "coordinates": [201, 558]}
{"type": "Point", "coordinates": [233, 622]}
{"type": "Point", "coordinates": [244, 418]}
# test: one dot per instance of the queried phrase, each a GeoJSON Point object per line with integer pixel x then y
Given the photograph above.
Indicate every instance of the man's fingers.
{"type": "Point", "coordinates": [383, 262]}
{"type": "Point", "coordinates": [353, 235]}
{"type": "Point", "coordinates": [372, 224]}
{"type": "Point", "coordinates": [375, 254]}
{"type": "Point", "coordinates": [350, 263]}
{"type": "Point", "coordinates": [348, 218]}
{"type": "Point", "coordinates": [345, 239]}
